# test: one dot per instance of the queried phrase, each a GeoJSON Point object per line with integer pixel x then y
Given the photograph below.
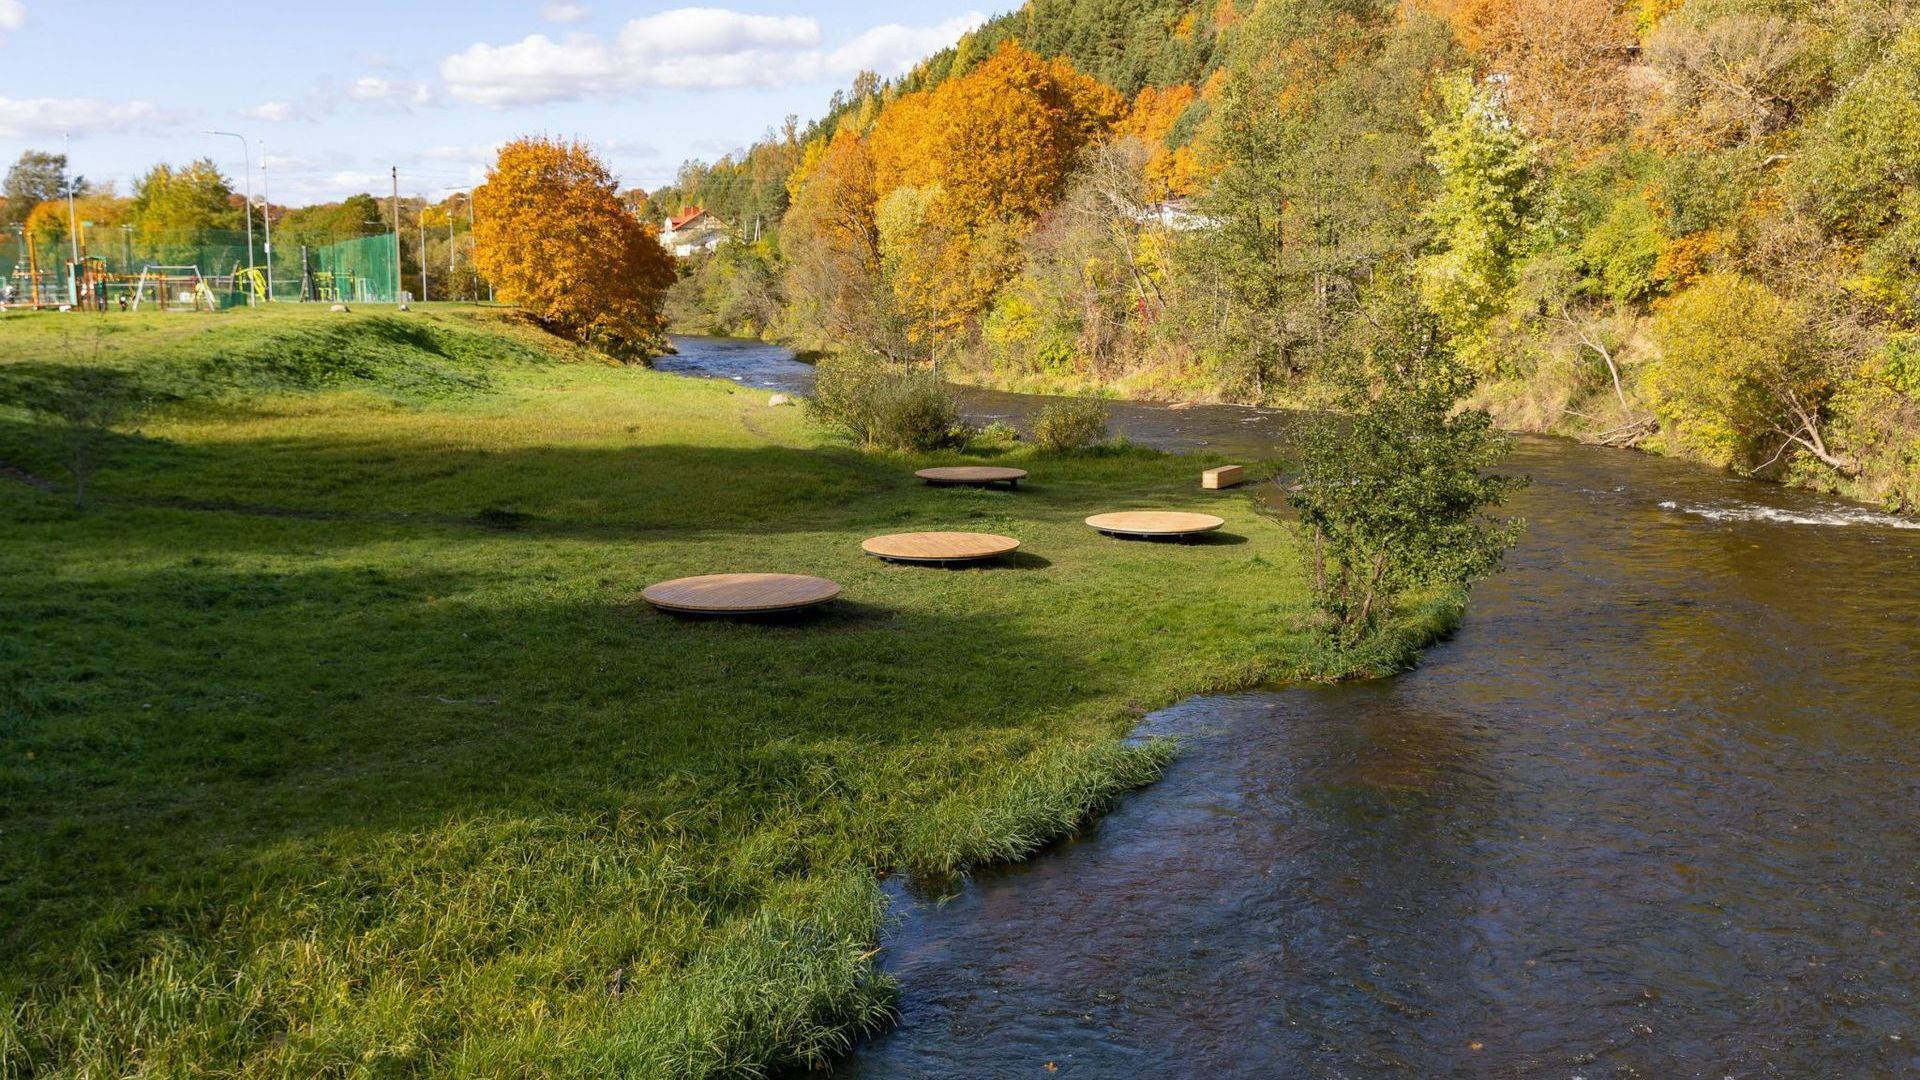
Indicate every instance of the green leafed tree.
{"type": "Point", "coordinates": [1394, 496]}
{"type": "Point", "coordinates": [1742, 377]}
{"type": "Point", "coordinates": [174, 207]}
{"type": "Point", "coordinates": [34, 178]}
{"type": "Point", "coordinates": [1316, 138]}
{"type": "Point", "coordinates": [1480, 215]}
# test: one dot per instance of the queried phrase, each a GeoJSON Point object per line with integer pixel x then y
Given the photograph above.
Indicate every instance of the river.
{"type": "Point", "coordinates": [1653, 811]}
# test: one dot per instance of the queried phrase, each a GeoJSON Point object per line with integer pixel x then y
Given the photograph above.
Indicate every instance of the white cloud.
{"type": "Point", "coordinates": [535, 69]}
{"type": "Point", "coordinates": [893, 49]}
{"type": "Point", "coordinates": [688, 48]}
{"type": "Point", "coordinates": [13, 14]}
{"type": "Point", "coordinates": [715, 32]}
{"type": "Point", "coordinates": [563, 11]}
{"type": "Point", "coordinates": [471, 152]}
{"type": "Point", "coordinates": [272, 112]}
{"type": "Point", "coordinates": [381, 92]}
{"type": "Point", "coordinates": [30, 117]}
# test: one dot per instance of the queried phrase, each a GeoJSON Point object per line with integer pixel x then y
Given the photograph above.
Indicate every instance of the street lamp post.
{"type": "Point", "coordinates": [453, 250]}
{"type": "Point", "coordinates": [476, 264]}
{"type": "Point", "coordinates": [246, 151]}
{"type": "Point", "coordinates": [73, 226]}
{"type": "Point", "coordinates": [266, 217]}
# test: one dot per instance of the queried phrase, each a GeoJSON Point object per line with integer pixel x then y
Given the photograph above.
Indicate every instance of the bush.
{"type": "Point", "coordinates": [999, 431]}
{"type": "Point", "coordinates": [865, 398]}
{"type": "Point", "coordinates": [1072, 424]}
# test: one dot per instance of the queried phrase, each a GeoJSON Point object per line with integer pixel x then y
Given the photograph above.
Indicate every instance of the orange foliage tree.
{"type": "Point", "coordinates": [1170, 171]}
{"type": "Point", "coordinates": [1565, 62]}
{"type": "Point", "coordinates": [999, 141]}
{"type": "Point", "coordinates": [553, 237]}
{"type": "Point", "coordinates": [983, 154]}
{"type": "Point", "coordinates": [831, 245]}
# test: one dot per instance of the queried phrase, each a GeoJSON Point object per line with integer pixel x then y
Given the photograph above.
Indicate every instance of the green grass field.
{"type": "Point", "coordinates": [336, 741]}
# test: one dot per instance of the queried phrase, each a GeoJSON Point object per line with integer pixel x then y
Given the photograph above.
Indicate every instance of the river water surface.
{"type": "Point", "coordinates": [1654, 811]}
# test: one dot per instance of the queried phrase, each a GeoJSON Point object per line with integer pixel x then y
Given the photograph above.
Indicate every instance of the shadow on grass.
{"type": "Point", "coordinates": [212, 715]}
{"type": "Point", "coordinates": [1211, 539]}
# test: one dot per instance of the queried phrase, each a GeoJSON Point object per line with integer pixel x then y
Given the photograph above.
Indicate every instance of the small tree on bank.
{"type": "Point", "coordinates": [552, 235]}
{"type": "Point", "coordinates": [1393, 495]}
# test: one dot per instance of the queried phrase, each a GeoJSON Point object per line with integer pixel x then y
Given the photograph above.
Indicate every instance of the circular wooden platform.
{"type": "Point", "coordinates": [740, 594]}
{"type": "Point", "coordinates": [973, 474]}
{"type": "Point", "coordinates": [938, 547]}
{"type": "Point", "coordinates": [1154, 523]}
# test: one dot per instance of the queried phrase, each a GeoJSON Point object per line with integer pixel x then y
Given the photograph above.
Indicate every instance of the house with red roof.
{"type": "Point", "coordinates": [691, 230]}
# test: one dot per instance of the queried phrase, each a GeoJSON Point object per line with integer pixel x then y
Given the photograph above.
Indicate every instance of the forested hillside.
{"type": "Point", "coordinates": [1688, 226]}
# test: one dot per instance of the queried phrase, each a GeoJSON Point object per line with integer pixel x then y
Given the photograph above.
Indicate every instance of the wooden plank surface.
{"type": "Point", "coordinates": [1225, 476]}
{"type": "Point", "coordinates": [972, 474]}
{"type": "Point", "coordinates": [939, 546]}
{"type": "Point", "coordinates": [1154, 523]}
{"type": "Point", "coordinates": [716, 594]}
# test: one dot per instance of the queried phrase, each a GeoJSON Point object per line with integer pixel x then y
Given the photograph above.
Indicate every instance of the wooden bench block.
{"type": "Point", "coordinates": [1225, 476]}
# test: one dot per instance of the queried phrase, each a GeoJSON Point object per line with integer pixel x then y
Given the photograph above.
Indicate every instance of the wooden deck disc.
{"type": "Point", "coordinates": [740, 594]}
{"type": "Point", "coordinates": [973, 474]}
{"type": "Point", "coordinates": [938, 547]}
{"type": "Point", "coordinates": [1154, 523]}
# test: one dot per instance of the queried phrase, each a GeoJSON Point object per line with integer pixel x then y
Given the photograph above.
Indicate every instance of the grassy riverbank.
{"type": "Point", "coordinates": [335, 739]}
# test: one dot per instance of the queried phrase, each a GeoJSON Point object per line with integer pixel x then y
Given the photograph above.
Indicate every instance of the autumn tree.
{"type": "Point", "coordinates": [1317, 137]}
{"type": "Point", "coordinates": [830, 243]}
{"type": "Point", "coordinates": [553, 237]}
{"type": "Point", "coordinates": [174, 207]}
{"type": "Point", "coordinates": [1154, 118]}
{"type": "Point", "coordinates": [981, 156]}
{"type": "Point", "coordinates": [1480, 215]}
{"type": "Point", "coordinates": [1858, 173]}
{"type": "Point", "coordinates": [999, 142]}
{"type": "Point", "coordinates": [1729, 77]}
{"type": "Point", "coordinates": [1742, 378]}
{"type": "Point", "coordinates": [1564, 62]}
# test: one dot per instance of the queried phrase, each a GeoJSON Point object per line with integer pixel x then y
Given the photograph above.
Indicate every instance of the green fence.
{"type": "Point", "coordinates": [347, 269]}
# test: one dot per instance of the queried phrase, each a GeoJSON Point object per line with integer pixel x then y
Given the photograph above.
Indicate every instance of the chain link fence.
{"type": "Point", "coordinates": [120, 265]}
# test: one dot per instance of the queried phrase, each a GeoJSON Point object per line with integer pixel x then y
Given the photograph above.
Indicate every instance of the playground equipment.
{"type": "Point", "coordinates": [174, 286]}
{"type": "Point", "coordinates": [252, 281]}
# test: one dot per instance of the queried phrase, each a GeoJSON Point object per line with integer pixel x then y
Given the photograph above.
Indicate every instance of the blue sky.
{"type": "Point", "coordinates": [432, 88]}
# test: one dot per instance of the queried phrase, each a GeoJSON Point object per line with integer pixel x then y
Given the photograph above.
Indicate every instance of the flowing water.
{"type": "Point", "coordinates": [1654, 811]}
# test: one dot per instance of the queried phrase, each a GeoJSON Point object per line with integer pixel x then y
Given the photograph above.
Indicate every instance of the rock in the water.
{"type": "Point", "coordinates": [339, 307]}
{"type": "Point", "coordinates": [778, 399]}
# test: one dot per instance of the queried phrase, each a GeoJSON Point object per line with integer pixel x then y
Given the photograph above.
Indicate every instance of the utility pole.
{"type": "Point", "coordinates": [266, 217]}
{"type": "Point", "coordinates": [422, 222]}
{"type": "Point", "coordinates": [396, 239]}
{"type": "Point", "coordinates": [452, 249]}
{"type": "Point", "coordinates": [246, 156]}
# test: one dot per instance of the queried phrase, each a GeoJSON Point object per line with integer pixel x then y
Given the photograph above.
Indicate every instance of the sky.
{"type": "Point", "coordinates": [329, 102]}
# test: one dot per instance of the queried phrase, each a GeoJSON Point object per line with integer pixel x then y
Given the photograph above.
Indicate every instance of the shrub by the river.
{"type": "Point", "coordinates": [1395, 496]}
{"type": "Point", "coordinates": [1072, 424]}
{"type": "Point", "coordinates": [880, 406]}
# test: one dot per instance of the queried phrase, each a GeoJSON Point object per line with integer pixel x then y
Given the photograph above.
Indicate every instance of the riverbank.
{"type": "Point", "coordinates": [1554, 403]}
{"type": "Point", "coordinates": [335, 736]}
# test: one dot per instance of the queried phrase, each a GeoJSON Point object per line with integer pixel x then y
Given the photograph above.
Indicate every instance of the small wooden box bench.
{"type": "Point", "coordinates": [1225, 476]}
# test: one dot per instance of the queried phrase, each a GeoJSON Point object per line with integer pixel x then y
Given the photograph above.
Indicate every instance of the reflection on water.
{"type": "Point", "coordinates": [1653, 812]}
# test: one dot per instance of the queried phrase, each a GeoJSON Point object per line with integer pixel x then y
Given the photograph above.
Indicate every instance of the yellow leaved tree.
{"type": "Point", "coordinates": [962, 170]}
{"type": "Point", "coordinates": [553, 237]}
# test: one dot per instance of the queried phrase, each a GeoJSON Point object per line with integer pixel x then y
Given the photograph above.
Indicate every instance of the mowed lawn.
{"type": "Point", "coordinates": [336, 741]}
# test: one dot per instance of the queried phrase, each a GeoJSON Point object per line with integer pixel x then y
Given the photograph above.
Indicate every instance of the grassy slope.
{"type": "Point", "coordinates": [335, 739]}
